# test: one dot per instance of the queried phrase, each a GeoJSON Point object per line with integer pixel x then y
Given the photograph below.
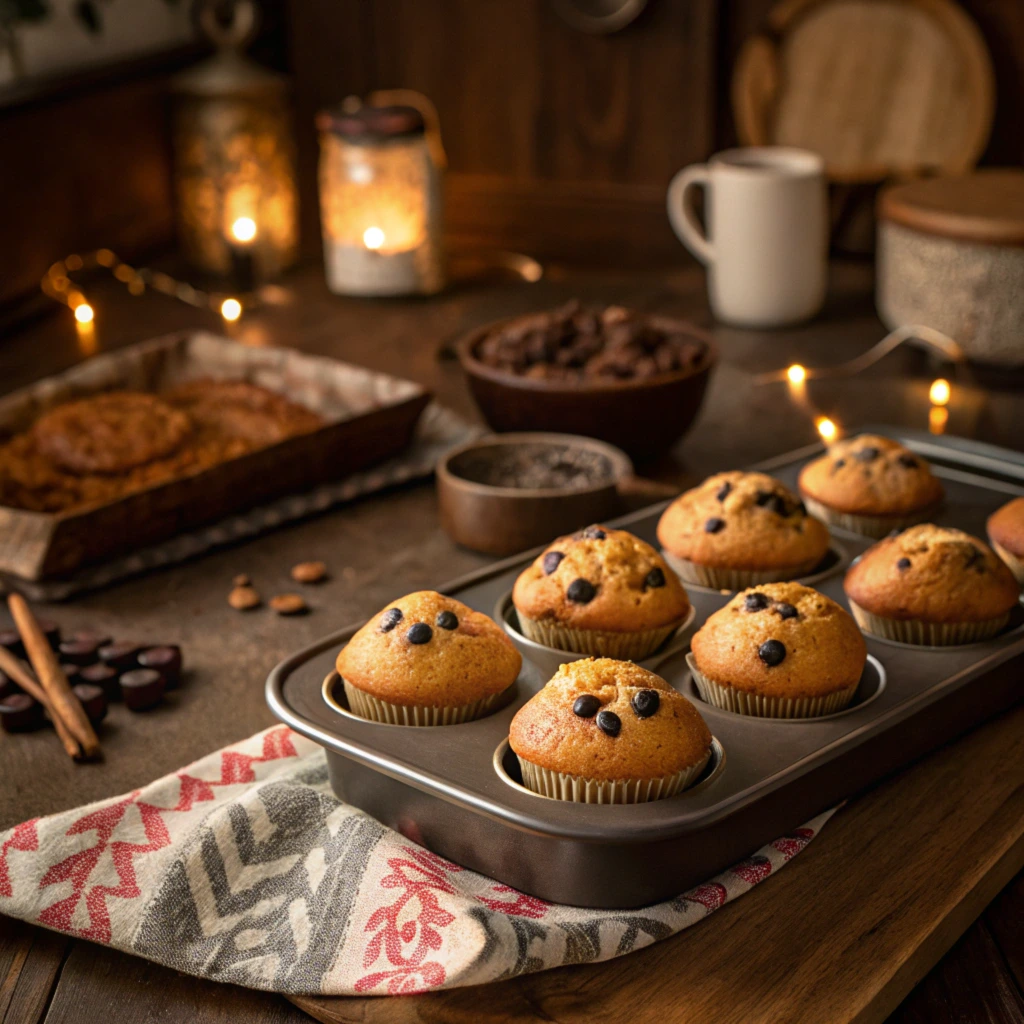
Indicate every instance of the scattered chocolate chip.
{"type": "Point", "coordinates": [594, 533]}
{"type": "Point", "coordinates": [11, 639]}
{"type": "Point", "coordinates": [120, 656]}
{"type": "Point", "coordinates": [309, 572]}
{"type": "Point", "coordinates": [447, 620]}
{"type": "Point", "coordinates": [551, 561]}
{"type": "Point", "coordinates": [724, 491]}
{"type": "Point", "coordinates": [756, 602]}
{"type": "Point", "coordinates": [20, 713]}
{"type": "Point", "coordinates": [868, 454]}
{"type": "Point", "coordinates": [243, 599]}
{"type": "Point", "coordinates": [93, 700]}
{"type": "Point", "coordinates": [646, 703]}
{"type": "Point", "coordinates": [777, 504]}
{"type": "Point", "coordinates": [289, 604]}
{"type": "Point", "coordinates": [586, 706]}
{"type": "Point", "coordinates": [419, 633]}
{"type": "Point", "coordinates": [763, 497]}
{"type": "Point", "coordinates": [609, 723]}
{"type": "Point", "coordinates": [166, 660]}
{"type": "Point", "coordinates": [714, 524]}
{"type": "Point", "coordinates": [786, 611]}
{"type": "Point", "coordinates": [655, 578]}
{"type": "Point", "coordinates": [78, 652]}
{"type": "Point", "coordinates": [908, 461]}
{"type": "Point", "coordinates": [801, 507]}
{"type": "Point", "coordinates": [241, 580]}
{"type": "Point", "coordinates": [391, 618]}
{"type": "Point", "coordinates": [838, 464]}
{"type": "Point", "coordinates": [772, 652]}
{"type": "Point", "coordinates": [976, 560]}
{"type": "Point", "coordinates": [104, 677]}
{"type": "Point", "coordinates": [903, 563]}
{"type": "Point", "coordinates": [581, 591]}
{"type": "Point", "coordinates": [142, 688]}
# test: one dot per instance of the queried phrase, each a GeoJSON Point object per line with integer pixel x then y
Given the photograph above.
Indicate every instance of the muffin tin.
{"type": "Point", "coordinates": [456, 790]}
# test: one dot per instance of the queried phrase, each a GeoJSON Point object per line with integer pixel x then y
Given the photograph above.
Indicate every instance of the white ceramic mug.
{"type": "Point", "coordinates": [766, 247]}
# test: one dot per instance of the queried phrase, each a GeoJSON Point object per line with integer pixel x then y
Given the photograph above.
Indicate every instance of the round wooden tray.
{"type": "Point", "coordinates": [880, 88]}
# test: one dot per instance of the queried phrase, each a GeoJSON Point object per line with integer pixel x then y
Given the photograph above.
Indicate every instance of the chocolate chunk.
{"type": "Point", "coordinates": [166, 660]}
{"type": "Point", "coordinates": [655, 578]}
{"type": "Point", "coordinates": [763, 497]}
{"type": "Point", "coordinates": [646, 703]}
{"type": "Point", "coordinates": [586, 706]}
{"type": "Point", "coordinates": [756, 602]}
{"type": "Point", "coordinates": [71, 672]}
{"type": "Point", "coordinates": [419, 633]}
{"type": "Point", "coordinates": [51, 631]}
{"type": "Point", "coordinates": [120, 656]}
{"type": "Point", "coordinates": [772, 652]}
{"type": "Point", "coordinates": [786, 611]}
{"type": "Point", "coordinates": [902, 564]}
{"type": "Point", "coordinates": [594, 533]}
{"type": "Point", "coordinates": [609, 723]}
{"type": "Point", "coordinates": [142, 688]}
{"type": "Point", "coordinates": [104, 677]}
{"type": "Point", "coordinates": [7, 686]}
{"type": "Point", "coordinates": [714, 524]}
{"type": "Point", "coordinates": [88, 636]}
{"type": "Point", "coordinates": [20, 713]}
{"type": "Point", "coordinates": [11, 639]}
{"type": "Point", "coordinates": [839, 463]}
{"type": "Point", "coordinates": [391, 618]}
{"type": "Point", "coordinates": [78, 652]}
{"type": "Point", "coordinates": [447, 620]}
{"type": "Point", "coordinates": [551, 561]}
{"type": "Point", "coordinates": [777, 504]}
{"type": "Point", "coordinates": [908, 461]}
{"type": "Point", "coordinates": [581, 591]}
{"type": "Point", "coordinates": [93, 700]}
{"type": "Point", "coordinates": [868, 454]}
{"type": "Point", "coordinates": [724, 491]}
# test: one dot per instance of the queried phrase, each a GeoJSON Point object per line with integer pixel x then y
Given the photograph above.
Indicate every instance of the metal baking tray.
{"type": "Point", "coordinates": [455, 789]}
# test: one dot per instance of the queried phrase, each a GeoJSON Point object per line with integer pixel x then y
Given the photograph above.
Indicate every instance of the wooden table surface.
{"type": "Point", "coordinates": [844, 933]}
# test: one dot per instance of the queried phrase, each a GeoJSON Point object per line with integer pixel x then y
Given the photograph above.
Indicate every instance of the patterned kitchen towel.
{"type": "Point", "coordinates": [244, 867]}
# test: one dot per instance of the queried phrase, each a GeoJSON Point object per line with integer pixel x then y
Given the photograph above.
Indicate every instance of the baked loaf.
{"type": "Point", "coordinates": [736, 529]}
{"type": "Point", "coordinates": [609, 731]}
{"type": "Point", "coordinates": [600, 591]}
{"type": "Point", "coordinates": [431, 655]}
{"type": "Point", "coordinates": [943, 585]}
{"type": "Point", "coordinates": [870, 484]}
{"type": "Point", "coordinates": [1006, 532]}
{"type": "Point", "coordinates": [779, 650]}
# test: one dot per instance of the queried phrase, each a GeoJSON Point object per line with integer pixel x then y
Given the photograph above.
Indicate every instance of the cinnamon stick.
{"type": "Point", "coordinates": [51, 676]}
{"type": "Point", "coordinates": [19, 672]}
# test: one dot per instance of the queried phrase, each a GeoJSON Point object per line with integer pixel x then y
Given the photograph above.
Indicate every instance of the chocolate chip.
{"type": "Point", "coordinates": [976, 560]}
{"type": "Point", "coordinates": [714, 524]}
{"type": "Point", "coordinates": [646, 703]}
{"type": "Point", "coordinates": [142, 688]}
{"type": "Point", "coordinates": [777, 504]}
{"type": "Point", "coordinates": [20, 713]}
{"type": "Point", "coordinates": [868, 454]}
{"type": "Point", "coordinates": [801, 508]}
{"type": "Point", "coordinates": [786, 611]}
{"type": "Point", "coordinates": [594, 533]}
{"type": "Point", "coordinates": [756, 602]}
{"type": "Point", "coordinates": [839, 463]}
{"type": "Point", "coordinates": [724, 491]}
{"type": "Point", "coordinates": [165, 659]}
{"type": "Point", "coordinates": [93, 700]}
{"type": "Point", "coordinates": [655, 578]}
{"type": "Point", "coordinates": [763, 497]}
{"type": "Point", "coordinates": [586, 706]}
{"type": "Point", "coordinates": [391, 618]}
{"type": "Point", "coordinates": [447, 620]}
{"type": "Point", "coordinates": [772, 652]}
{"type": "Point", "coordinates": [419, 633]}
{"type": "Point", "coordinates": [908, 461]}
{"type": "Point", "coordinates": [551, 561]}
{"type": "Point", "coordinates": [609, 723]}
{"type": "Point", "coordinates": [903, 563]}
{"type": "Point", "coordinates": [581, 591]}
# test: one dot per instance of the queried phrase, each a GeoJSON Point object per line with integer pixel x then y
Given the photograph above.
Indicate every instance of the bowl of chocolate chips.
{"type": "Point", "coordinates": [635, 380]}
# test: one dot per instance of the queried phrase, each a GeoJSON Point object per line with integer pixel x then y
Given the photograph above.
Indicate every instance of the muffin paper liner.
{"type": "Point", "coordinates": [1015, 564]}
{"type": "Point", "coordinates": [376, 710]}
{"type": "Point", "coordinates": [729, 698]}
{"type": "Point", "coordinates": [735, 579]}
{"type": "Point", "coordinates": [602, 643]}
{"type": "Point", "coordinates": [928, 634]}
{"type": "Point", "coordinates": [582, 790]}
{"type": "Point", "coordinates": [875, 527]}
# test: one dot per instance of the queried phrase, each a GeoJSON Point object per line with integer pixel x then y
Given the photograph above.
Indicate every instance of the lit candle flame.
{"type": "Point", "coordinates": [826, 428]}
{"type": "Point", "coordinates": [796, 374]}
{"type": "Point", "coordinates": [244, 229]}
{"type": "Point", "coordinates": [939, 392]}
{"type": "Point", "coordinates": [231, 309]}
{"type": "Point", "coordinates": [84, 313]}
{"type": "Point", "coordinates": [373, 238]}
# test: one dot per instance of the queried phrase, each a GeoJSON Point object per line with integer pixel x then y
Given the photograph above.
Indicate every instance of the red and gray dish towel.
{"type": "Point", "coordinates": [244, 867]}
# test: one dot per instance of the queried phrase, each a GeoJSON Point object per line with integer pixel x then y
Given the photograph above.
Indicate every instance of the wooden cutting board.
{"type": "Point", "coordinates": [880, 88]}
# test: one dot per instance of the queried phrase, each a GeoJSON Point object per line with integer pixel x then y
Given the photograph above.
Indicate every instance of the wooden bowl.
{"type": "Point", "coordinates": [505, 520]}
{"type": "Point", "coordinates": [643, 417]}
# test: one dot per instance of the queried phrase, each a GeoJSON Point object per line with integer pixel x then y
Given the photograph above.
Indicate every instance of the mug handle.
{"type": "Point", "coordinates": [681, 214]}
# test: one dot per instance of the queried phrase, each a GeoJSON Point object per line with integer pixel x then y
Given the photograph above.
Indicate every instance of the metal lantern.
{"type": "Point", "coordinates": [234, 155]}
{"type": "Point", "coordinates": [380, 202]}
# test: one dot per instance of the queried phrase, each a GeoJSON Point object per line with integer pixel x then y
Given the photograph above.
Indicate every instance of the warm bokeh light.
{"type": "Point", "coordinates": [796, 374]}
{"type": "Point", "coordinates": [231, 309]}
{"type": "Point", "coordinates": [243, 229]}
{"type": "Point", "coordinates": [826, 428]}
{"type": "Point", "coordinates": [373, 238]}
{"type": "Point", "coordinates": [938, 417]}
{"type": "Point", "coordinates": [84, 313]}
{"type": "Point", "coordinates": [939, 392]}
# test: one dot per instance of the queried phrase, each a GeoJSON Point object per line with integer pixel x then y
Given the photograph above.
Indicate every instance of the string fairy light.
{"type": "Point", "coordinates": [939, 392]}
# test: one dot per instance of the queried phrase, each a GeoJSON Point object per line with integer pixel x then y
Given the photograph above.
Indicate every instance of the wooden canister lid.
{"type": "Point", "coordinates": [987, 206]}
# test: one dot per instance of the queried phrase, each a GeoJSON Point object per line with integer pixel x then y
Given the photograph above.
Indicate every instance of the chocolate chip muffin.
{"type": "Point", "coordinates": [427, 660]}
{"type": "Point", "coordinates": [737, 529]}
{"type": "Point", "coordinates": [779, 650]}
{"type": "Point", "coordinates": [931, 585]}
{"type": "Point", "coordinates": [870, 485]}
{"type": "Point", "coordinates": [609, 732]}
{"type": "Point", "coordinates": [600, 591]}
{"type": "Point", "coordinates": [1006, 532]}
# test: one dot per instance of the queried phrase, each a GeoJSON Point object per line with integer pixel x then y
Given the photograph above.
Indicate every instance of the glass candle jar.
{"type": "Point", "coordinates": [380, 203]}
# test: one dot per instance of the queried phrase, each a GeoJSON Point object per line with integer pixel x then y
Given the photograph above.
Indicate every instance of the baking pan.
{"type": "Point", "coordinates": [369, 417]}
{"type": "Point", "coordinates": [456, 789]}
